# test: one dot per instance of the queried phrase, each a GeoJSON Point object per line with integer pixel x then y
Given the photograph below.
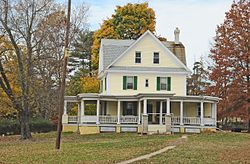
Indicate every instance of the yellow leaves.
{"type": "Point", "coordinates": [90, 84]}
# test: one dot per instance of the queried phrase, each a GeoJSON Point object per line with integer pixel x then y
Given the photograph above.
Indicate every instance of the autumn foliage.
{"type": "Point", "coordinates": [230, 53]}
{"type": "Point", "coordinates": [128, 22]}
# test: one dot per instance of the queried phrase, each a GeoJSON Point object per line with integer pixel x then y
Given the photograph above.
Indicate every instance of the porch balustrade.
{"type": "Point", "coordinates": [175, 120]}
{"type": "Point", "coordinates": [186, 120]}
{"type": "Point", "coordinates": [134, 119]}
{"type": "Point", "coordinates": [72, 119]}
{"type": "Point", "coordinates": [88, 119]}
{"type": "Point", "coordinates": [129, 119]}
{"type": "Point", "coordinates": [108, 119]}
{"type": "Point", "coordinates": [191, 120]}
{"type": "Point", "coordinates": [209, 121]}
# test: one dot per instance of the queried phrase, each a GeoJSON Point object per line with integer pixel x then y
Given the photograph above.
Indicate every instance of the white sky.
{"type": "Point", "coordinates": [196, 19]}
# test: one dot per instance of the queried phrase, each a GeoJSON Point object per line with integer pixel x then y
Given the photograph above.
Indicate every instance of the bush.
{"type": "Point", "coordinates": [38, 125]}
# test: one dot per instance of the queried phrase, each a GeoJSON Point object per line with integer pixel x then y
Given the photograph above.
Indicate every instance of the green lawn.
{"type": "Point", "coordinates": [98, 148]}
{"type": "Point", "coordinates": [112, 148]}
{"type": "Point", "coordinates": [209, 148]}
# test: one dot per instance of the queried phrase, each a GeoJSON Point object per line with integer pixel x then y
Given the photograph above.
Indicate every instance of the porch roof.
{"type": "Point", "coordinates": [139, 96]}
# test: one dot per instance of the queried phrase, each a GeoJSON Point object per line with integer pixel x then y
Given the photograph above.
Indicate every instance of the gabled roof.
{"type": "Point", "coordinates": [113, 49]}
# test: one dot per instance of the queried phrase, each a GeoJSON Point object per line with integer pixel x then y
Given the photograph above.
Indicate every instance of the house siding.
{"type": "Point", "coordinates": [178, 83]}
{"type": "Point", "coordinates": [147, 46]}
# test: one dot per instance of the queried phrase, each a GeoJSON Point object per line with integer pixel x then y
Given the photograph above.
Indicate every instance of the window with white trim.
{"type": "Point", "coordinates": [137, 57]}
{"type": "Point", "coordinates": [156, 59]}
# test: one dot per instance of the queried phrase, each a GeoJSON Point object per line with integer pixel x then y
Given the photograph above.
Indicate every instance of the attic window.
{"type": "Point", "coordinates": [137, 57]}
{"type": "Point", "coordinates": [156, 59]}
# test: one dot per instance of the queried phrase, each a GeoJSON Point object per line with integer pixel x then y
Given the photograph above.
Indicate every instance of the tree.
{"type": "Point", "coordinates": [198, 81]}
{"type": "Point", "coordinates": [34, 30]}
{"type": "Point", "coordinates": [80, 57]}
{"type": "Point", "coordinates": [128, 22]}
{"type": "Point", "coordinates": [82, 82]}
{"type": "Point", "coordinates": [230, 53]}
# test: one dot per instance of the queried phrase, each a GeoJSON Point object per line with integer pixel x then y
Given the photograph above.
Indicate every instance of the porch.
{"type": "Point", "coordinates": [185, 111]}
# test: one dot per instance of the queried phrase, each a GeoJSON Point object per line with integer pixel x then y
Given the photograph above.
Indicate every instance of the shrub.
{"type": "Point", "coordinates": [38, 125]}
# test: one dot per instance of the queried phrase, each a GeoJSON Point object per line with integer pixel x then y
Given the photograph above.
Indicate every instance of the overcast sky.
{"type": "Point", "coordinates": [196, 19]}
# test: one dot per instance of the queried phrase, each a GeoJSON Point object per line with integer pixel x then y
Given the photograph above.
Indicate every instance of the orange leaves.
{"type": "Point", "coordinates": [232, 61]}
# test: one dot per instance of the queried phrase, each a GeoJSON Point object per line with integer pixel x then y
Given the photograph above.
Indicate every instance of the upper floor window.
{"type": "Point", "coordinates": [156, 59]}
{"type": "Point", "coordinates": [129, 82]}
{"type": "Point", "coordinates": [146, 83]}
{"type": "Point", "coordinates": [137, 57]}
{"type": "Point", "coordinates": [163, 83]}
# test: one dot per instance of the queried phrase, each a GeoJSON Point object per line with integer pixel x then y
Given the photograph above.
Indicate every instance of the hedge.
{"type": "Point", "coordinates": [10, 126]}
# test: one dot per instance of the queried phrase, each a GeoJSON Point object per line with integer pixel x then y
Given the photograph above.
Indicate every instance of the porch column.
{"type": "Point", "coordinates": [65, 117]}
{"type": "Point", "coordinates": [82, 110]}
{"type": "Point", "coordinates": [214, 112]}
{"type": "Point", "coordinates": [118, 111]}
{"type": "Point", "coordinates": [202, 113]}
{"type": "Point", "coordinates": [97, 111]}
{"type": "Point", "coordinates": [139, 112]}
{"type": "Point", "coordinates": [160, 112]}
{"type": "Point", "coordinates": [79, 113]}
{"type": "Point", "coordinates": [65, 107]}
{"type": "Point", "coordinates": [181, 112]}
{"type": "Point", "coordinates": [168, 106]}
{"type": "Point", "coordinates": [145, 106]}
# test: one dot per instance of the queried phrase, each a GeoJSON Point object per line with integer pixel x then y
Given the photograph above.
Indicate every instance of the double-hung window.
{"type": "Point", "coordinates": [156, 59]}
{"type": "Point", "coordinates": [163, 83]}
{"type": "Point", "coordinates": [130, 82]}
{"type": "Point", "coordinates": [137, 57]}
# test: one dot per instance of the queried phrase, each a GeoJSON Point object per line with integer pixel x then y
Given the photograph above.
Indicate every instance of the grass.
{"type": "Point", "coordinates": [98, 148]}
{"type": "Point", "coordinates": [112, 148]}
{"type": "Point", "coordinates": [208, 148]}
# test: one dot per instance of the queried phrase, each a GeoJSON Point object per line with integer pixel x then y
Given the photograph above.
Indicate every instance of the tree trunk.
{"type": "Point", "coordinates": [24, 123]}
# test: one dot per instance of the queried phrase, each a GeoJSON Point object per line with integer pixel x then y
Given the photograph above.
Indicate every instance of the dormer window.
{"type": "Point", "coordinates": [156, 59]}
{"type": "Point", "coordinates": [137, 57]}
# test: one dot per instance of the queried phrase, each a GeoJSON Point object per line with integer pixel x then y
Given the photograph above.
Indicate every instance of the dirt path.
{"type": "Point", "coordinates": [176, 143]}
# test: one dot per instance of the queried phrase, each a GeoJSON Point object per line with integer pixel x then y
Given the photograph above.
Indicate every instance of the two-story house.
{"type": "Point", "coordinates": [141, 77]}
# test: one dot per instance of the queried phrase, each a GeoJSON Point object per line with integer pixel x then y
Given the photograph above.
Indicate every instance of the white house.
{"type": "Point", "coordinates": [141, 77]}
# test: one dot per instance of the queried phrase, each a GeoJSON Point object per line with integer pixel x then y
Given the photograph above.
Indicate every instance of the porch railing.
{"type": "Point", "coordinates": [72, 119]}
{"type": "Point", "coordinates": [175, 120]}
{"type": "Point", "coordinates": [88, 119]}
{"type": "Point", "coordinates": [107, 119]}
{"type": "Point", "coordinates": [191, 120]}
{"type": "Point", "coordinates": [209, 121]}
{"type": "Point", "coordinates": [129, 119]}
